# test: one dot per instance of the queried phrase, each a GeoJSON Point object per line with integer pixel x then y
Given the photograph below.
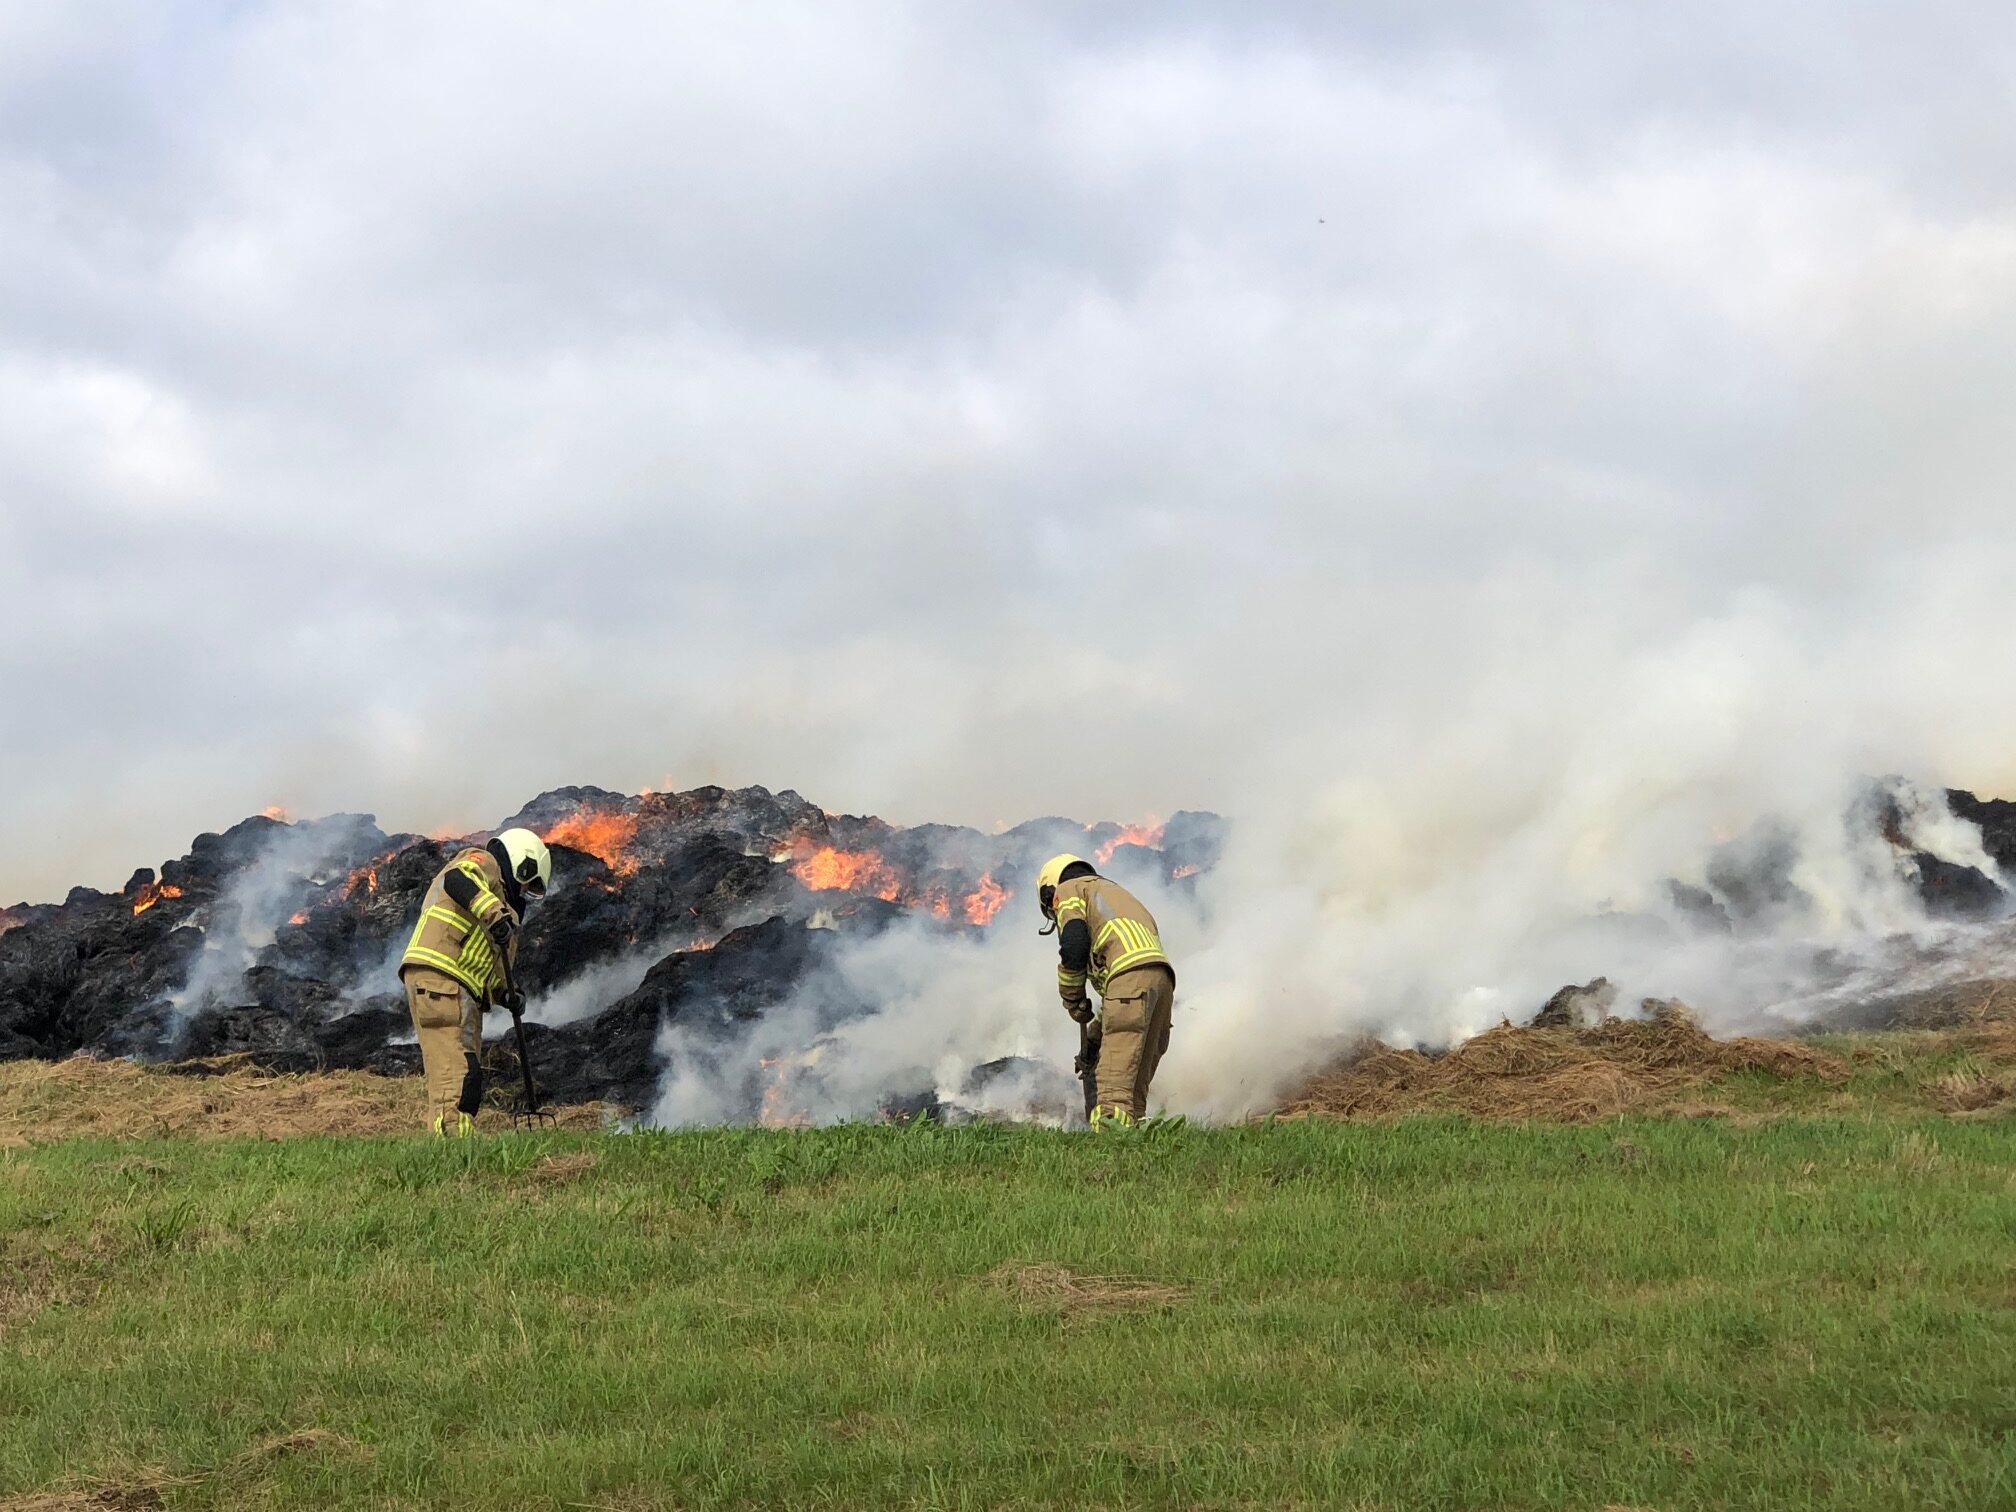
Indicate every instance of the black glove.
{"type": "Point", "coordinates": [1080, 1011]}
{"type": "Point", "coordinates": [502, 927]}
{"type": "Point", "coordinates": [1086, 1061]}
{"type": "Point", "coordinates": [514, 1001]}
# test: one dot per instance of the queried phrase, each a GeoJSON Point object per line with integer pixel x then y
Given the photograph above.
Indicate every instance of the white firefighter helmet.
{"type": "Point", "coordinates": [525, 859]}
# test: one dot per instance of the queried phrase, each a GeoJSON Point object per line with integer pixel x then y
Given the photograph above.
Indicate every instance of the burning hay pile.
{"type": "Point", "coordinates": [1559, 1075]}
{"type": "Point", "coordinates": [278, 942]}
{"type": "Point", "coordinates": [705, 942]}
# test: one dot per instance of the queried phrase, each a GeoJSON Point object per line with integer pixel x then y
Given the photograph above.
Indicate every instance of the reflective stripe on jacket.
{"type": "Point", "coordinates": [455, 941]}
{"type": "Point", "coordinates": [1124, 934]}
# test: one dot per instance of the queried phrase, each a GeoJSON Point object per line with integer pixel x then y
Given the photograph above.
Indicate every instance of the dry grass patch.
{"type": "Point", "coordinates": [149, 1488]}
{"type": "Point", "coordinates": [1555, 1075]}
{"type": "Point", "coordinates": [868, 1425]}
{"type": "Point", "coordinates": [1690, 1109]}
{"type": "Point", "coordinates": [1985, 1001]}
{"type": "Point", "coordinates": [1060, 1287]}
{"type": "Point", "coordinates": [43, 1101]}
{"type": "Point", "coordinates": [109, 1496]}
{"type": "Point", "coordinates": [556, 1170]}
{"type": "Point", "coordinates": [29, 1285]}
{"type": "Point", "coordinates": [300, 1441]}
{"type": "Point", "coordinates": [1899, 1049]}
{"type": "Point", "coordinates": [1971, 1091]}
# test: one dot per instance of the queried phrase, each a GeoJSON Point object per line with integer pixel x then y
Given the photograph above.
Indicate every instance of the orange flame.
{"type": "Point", "coordinates": [300, 917]}
{"type": "Point", "coordinates": [777, 1111]}
{"type": "Point", "coordinates": [275, 811]}
{"type": "Point", "coordinates": [986, 900]}
{"type": "Point", "coordinates": [364, 880]}
{"type": "Point", "coordinates": [602, 833]}
{"type": "Point", "coordinates": [849, 871]}
{"type": "Point", "coordinates": [1184, 871]}
{"type": "Point", "coordinates": [153, 893]}
{"type": "Point", "coordinates": [1148, 833]}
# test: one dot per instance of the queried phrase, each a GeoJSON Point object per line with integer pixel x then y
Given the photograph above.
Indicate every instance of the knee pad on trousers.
{"type": "Point", "coordinates": [472, 1086]}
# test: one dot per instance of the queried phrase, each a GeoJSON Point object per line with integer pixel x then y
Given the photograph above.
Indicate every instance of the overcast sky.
{"type": "Point", "coordinates": [965, 412]}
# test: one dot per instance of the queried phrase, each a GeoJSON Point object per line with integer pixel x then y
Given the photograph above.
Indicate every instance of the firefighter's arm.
{"type": "Point", "coordinates": [1074, 959]}
{"type": "Point", "coordinates": [471, 890]}
{"type": "Point", "coordinates": [511, 998]}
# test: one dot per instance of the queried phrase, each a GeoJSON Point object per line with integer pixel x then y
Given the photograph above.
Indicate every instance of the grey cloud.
{"type": "Point", "coordinates": [887, 403]}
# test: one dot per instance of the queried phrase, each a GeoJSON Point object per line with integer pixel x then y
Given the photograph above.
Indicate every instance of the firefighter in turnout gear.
{"type": "Point", "coordinates": [1107, 938]}
{"type": "Point", "coordinates": [453, 968]}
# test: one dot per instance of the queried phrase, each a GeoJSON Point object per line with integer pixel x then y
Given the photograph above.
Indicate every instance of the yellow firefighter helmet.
{"type": "Point", "coordinates": [1048, 877]}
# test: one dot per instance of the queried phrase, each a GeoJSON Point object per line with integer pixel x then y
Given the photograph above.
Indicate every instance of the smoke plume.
{"type": "Point", "coordinates": [245, 920]}
{"type": "Point", "coordinates": [1693, 820]}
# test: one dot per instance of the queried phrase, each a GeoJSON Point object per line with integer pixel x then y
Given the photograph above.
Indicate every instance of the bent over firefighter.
{"type": "Point", "coordinates": [1107, 937]}
{"type": "Point", "coordinates": [454, 966]}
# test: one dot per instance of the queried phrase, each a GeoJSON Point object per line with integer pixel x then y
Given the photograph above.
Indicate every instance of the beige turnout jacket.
{"type": "Point", "coordinates": [1124, 934]}
{"type": "Point", "coordinates": [456, 941]}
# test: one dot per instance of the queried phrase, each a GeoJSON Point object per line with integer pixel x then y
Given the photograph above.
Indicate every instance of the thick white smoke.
{"type": "Point", "coordinates": [1419, 867]}
{"type": "Point", "coordinates": [260, 897]}
{"type": "Point", "coordinates": [596, 987]}
{"type": "Point", "coordinates": [942, 1003]}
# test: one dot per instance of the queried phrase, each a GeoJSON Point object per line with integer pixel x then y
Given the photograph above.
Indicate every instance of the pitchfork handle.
{"type": "Point", "coordinates": [518, 1029]}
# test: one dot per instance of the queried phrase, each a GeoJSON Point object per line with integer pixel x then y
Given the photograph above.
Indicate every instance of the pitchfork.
{"type": "Point", "coordinates": [528, 1114]}
{"type": "Point", "coordinates": [1091, 1033]}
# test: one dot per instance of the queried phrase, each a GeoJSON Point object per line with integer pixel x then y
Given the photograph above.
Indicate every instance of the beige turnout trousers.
{"type": "Point", "coordinates": [449, 1026]}
{"type": "Point", "coordinates": [1134, 1010]}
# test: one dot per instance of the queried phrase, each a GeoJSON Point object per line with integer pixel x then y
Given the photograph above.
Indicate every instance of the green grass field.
{"type": "Point", "coordinates": [1651, 1313]}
